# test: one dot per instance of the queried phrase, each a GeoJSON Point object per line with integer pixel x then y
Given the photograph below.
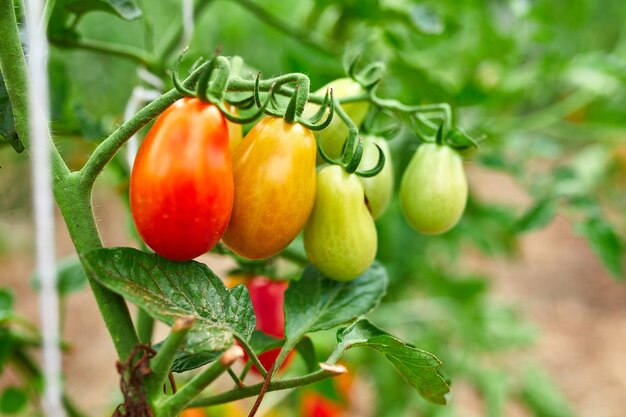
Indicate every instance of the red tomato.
{"type": "Point", "coordinates": [267, 298]}
{"type": "Point", "coordinates": [274, 170]}
{"type": "Point", "coordinates": [315, 405]}
{"type": "Point", "coordinates": [181, 186]}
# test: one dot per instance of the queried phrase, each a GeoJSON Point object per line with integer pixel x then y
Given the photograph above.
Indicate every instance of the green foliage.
{"type": "Point", "coordinates": [542, 397]}
{"type": "Point", "coordinates": [169, 290]}
{"type": "Point", "coordinates": [316, 303]}
{"type": "Point", "coordinates": [7, 125]}
{"type": "Point", "coordinates": [417, 367]}
{"type": "Point", "coordinates": [13, 401]}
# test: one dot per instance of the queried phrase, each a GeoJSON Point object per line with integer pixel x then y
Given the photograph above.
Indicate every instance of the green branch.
{"type": "Point", "coordinates": [277, 385]}
{"type": "Point", "coordinates": [13, 67]}
{"type": "Point", "coordinates": [302, 36]}
{"type": "Point", "coordinates": [174, 404]}
{"type": "Point", "coordinates": [124, 51]}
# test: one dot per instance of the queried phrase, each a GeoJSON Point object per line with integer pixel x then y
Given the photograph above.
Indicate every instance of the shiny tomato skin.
{"type": "Point", "coordinates": [433, 191]}
{"type": "Point", "coordinates": [235, 130]}
{"type": "Point", "coordinates": [268, 299]}
{"type": "Point", "coordinates": [181, 185]}
{"type": "Point", "coordinates": [274, 171]}
{"type": "Point", "coordinates": [340, 237]}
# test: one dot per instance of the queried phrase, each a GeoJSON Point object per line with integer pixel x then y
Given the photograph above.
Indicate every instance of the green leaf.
{"type": "Point", "coordinates": [7, 342]}
{"type": "Point", "coordinates": [66, 14]}
{"type": "Point", "coordinates": [315, 302]}
{"type": "Point", "coordinates": [6, 303]}
{"type": "Point", "coordinates": [186, 360]}
{"type": "Point", "coordinates": [125, 9]}
{"type": "Point", "coordinates": [538, 216]}
{"type": "Point", "coordinates": [7, 123]}
{"type": "Point", "coordinates": [419, 368]}
{"type": "Point", "coordinates": [605, 243]}
{"type": "Point", "coordinates": [13, 401]}
{"type": "Point", "coordinates": [542, 397]}
{"type": "Point", "coordinates": [170, 290]}
{"type": "Point", "coordinates": [71, 276]}
{"type": "Point", "coordinates": [306, 349]}
{"type": "Point", "coordinates": [262, 342]}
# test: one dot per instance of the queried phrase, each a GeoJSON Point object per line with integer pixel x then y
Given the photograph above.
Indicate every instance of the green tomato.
{"type": "Point", "coordinates": [433, 191]}
{"type": "Point", "coordinates": [379, 188]}
{"type": "Point", "coordinates": [334, 136]}
{"type": "Point", "coordinates": [340, 236]}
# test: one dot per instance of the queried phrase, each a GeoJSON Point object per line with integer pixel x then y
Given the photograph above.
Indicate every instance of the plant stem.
{"type": "Point", "coordinates": [173, 37]}
{"type": "Point", "coordinates": [145, 326]}
{"type": "Point", "coordinates": [162, 363]}
{"type": "Point", "coordinates": [73, 196]}
{"type": "Point", "coordinates": [13, 67]}
{"type": "Point", "coordinates": [177, 402]}
{"type": "Point", "coordinates": [252, 355]}
{"type": "Point", "coordinates": [300, 35]}
{"type": "Point", "coordinates": [252, 390]}
{"type": "Point", "coordinates": [124, 51]}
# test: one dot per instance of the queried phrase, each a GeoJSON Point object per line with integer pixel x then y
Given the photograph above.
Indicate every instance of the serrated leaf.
{"type": "Point", "coordinates": [419, 368]}
{"type": "Point", "coordinates": [307, 351]}
{"type": "Point", "coordinates": [170, 290]}
{"type": "Point", "coordinates": [538, 216]}
{"type": "Point", "coordinates": [605, 243]}
{"type": "Point", "coordinates": [315, 302]}
{"type": "Point", "coordinates": [70, 276]}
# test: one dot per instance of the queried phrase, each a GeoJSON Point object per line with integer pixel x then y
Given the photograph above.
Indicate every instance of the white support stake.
{"type": "Point", "coordinates": [43, 205]}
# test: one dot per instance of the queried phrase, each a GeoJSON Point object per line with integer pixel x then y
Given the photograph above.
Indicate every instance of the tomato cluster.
{"type": "Point", "coordinates": [195, 181]}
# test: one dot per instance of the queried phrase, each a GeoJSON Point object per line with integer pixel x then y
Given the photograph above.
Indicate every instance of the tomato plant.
{"type": "Point", "coordinates": [181, 186]}
{"type": "Point", "coordinates": [379, 188]}
{"type": "Point", "coordinates": [433, 191]}
{"type": "Point", "coordinates": [196, 181]}
{"type": "Point", "coordinates": [274, 174]}
{"type": "Point", "coordinates": [340, 236]}
{"type": "Point", "coordinates": [334, 136]}
{"type": "Point", "coordinates": [267, 298]}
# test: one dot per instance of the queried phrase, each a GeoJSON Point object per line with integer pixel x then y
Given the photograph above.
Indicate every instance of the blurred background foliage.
{"type": "Point", "coordinates": [543, 80]}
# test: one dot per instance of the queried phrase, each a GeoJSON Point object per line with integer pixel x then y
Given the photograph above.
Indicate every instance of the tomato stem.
{"type": "Point", "coordinates": [174, 404]}
{"type": "Point", "coordinates": [162, 362]}
{"type": "Point", "coordinates": [252, 390]}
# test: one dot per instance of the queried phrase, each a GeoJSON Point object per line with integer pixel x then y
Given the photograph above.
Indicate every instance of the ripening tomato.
{"type": "Point", "coordinates": [379, 188]}
{"type": "Point", "coordinates": [334, 136]}
{"type": "Point", "coordinates": [181, 185]}
{"type": "Point", "coordinates": [340, 237]}
{"type": "Point", "coordinates": [433, 192]}
{"type": "Point", "coordinates": [268, 299]}
{"type": "Point", "coordinates": [274, 170]}
{"type": "Point", "coordinates": [235, 130]}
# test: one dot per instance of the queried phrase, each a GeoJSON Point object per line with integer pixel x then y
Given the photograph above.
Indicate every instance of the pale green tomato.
{"type": "Point", "coordinates": [340, 236]}
{"type": "Point", "coordinates": [334, 136]}
{"type": "Point", "coordinates": [433, 191]}
{"type": "Point", "coordinates": [379, 188]}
